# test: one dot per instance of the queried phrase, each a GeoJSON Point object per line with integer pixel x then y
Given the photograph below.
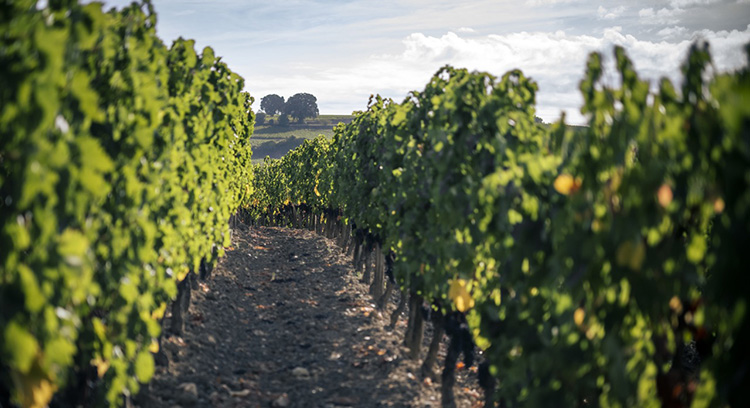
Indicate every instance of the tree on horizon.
{"type": "Point", "coordinates": [272, 104]}
{"type": "Point", "coordinates": [301, 106]}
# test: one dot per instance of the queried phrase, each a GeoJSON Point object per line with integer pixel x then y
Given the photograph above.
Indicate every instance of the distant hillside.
{"type": "Point", "coordinates": [270, 139]}
{"type": "Point", "coordinates": [275, 148]}
{"type": "Point", "coordinates": [275, 141]}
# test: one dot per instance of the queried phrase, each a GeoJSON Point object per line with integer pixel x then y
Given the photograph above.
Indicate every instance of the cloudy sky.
{"type": "Point", "coordinates": [342, 51]}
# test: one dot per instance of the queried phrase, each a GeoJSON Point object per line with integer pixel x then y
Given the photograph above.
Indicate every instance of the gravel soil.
{"type": "Point", "coordinates": [283, 321]}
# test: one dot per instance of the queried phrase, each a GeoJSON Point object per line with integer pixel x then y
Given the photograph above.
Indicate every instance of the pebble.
{"type": "Point", "coordinates": [240, 394]}
{"type": "Point", "coordinates": [301, 373]}
{"type": "Point", "coordinates": [188, 394]}
{"type": "Point", "coordinates": [311, 331]}
{"type": "Point", "coordinates": [281, 402]}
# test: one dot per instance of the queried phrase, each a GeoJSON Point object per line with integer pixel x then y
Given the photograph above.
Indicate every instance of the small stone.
{"type": "Point", "coordinates": [239, 394]}
{"type": "Point", "coordinates": [281, 402]}
{"type": "Point", "coordinates": [188, 394]}
{"type": "Point", "coordinates": [301, 373]}
{"type": "Point", "coordinates": [211, 339]}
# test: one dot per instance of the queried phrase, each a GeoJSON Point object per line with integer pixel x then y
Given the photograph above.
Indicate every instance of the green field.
{"type": "Point", "coordinates": [275, 141]}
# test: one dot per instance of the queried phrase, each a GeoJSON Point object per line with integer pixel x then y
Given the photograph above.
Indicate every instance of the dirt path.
{"type": "Point", "coordinates": [283, 322]}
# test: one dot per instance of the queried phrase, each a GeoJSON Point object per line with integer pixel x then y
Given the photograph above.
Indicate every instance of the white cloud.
{"type": "Point", "coordinates": [663, 16]}
{"type": "Point", "coordinates": [548, 2]}
{"type": "Point", "coordinates": [345, 53]}
{"type": "Point", "coordinates": [610, 14]}
{"type": "Point", "coordinates": [673, 32]}
{"type": "Point", "coordinates": [555, 60]}
{"type": "Point", "coordinates": [726, 46]}
{"type": "Point", "coordinates": [690, 3]}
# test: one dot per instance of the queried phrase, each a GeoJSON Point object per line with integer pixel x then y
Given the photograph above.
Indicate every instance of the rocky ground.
{"type": "Point", "coordinates": [284, 322]}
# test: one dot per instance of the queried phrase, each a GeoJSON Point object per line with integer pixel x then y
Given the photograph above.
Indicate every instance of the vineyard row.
{"type": "Point", "coordinates": [121, 161]}
{"type": "Point", "coordinates": [596, 267]}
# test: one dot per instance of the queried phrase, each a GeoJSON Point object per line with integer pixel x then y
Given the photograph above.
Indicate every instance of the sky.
{"type": "Point", "coordinates": [343, 51]}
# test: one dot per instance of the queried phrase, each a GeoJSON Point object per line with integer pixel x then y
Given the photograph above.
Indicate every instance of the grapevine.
{"type": "Point", "coordinates": [121, 162]}
{"type": "Point", "coordinates": [588, 265]}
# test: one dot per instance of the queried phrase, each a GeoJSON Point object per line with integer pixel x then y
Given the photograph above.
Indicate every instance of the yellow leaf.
{"type": "Point", "coordinates": [565, 184]}
{"type": "Point", "coordinates": [101, 366]}
{"type": "Point", "coordinates": [719, 205]}
{"type": "Point", "coordinates": [35, 387]}
{"type": "Point", "coordinates": [37, 394]}
{"type": "Point", "coordinates": [182, 274]}
{"type": "Point", "coordinates": [154, 347]}
{"type": "Point", "coordinates": [664, 195]}
{"type": "Point", "coordinates": [675, 304]}
{"type": "Point", "coordinates": [460, 296]}
{"type": "Point", "coordinates": [159, 312]}
{"type": "Point", "coordinates": [578, 316]}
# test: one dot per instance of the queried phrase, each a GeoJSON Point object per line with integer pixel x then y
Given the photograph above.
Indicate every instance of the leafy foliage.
{"type": "Point", "coordinates": [301, 176]}
{"type": "Point", "coordinates": [115, 179]}
{"type": "Point", "coordinates": [590, 263]}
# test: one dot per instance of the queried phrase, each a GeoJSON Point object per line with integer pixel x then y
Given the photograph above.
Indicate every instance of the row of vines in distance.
{"type": "Point", "coordinates": [121, 161]}
{"type": "Point", "coordinates": [602, 267]}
